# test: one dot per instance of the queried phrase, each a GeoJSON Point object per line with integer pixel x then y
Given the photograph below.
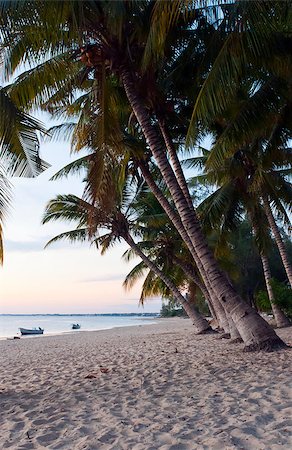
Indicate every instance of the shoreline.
{"type": "Point", "coordinates": [127, 328]}
{"type": "Point", "coordinates": [144, 388]}
{"type": "Point", "coordinates": [17, 336]}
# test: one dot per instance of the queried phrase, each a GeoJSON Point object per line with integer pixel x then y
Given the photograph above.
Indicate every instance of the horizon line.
{"type": "Point", "coordinates": [79, 314]}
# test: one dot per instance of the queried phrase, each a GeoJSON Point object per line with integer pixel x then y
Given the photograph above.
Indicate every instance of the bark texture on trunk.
{"type": "Point", "coordinates": [175, 219]}
{"type": "Point", "coordinates": [214, 304]}
{"type": "Point", "coordinates": [201, 325]}
{"type": "Point", "coordinates": [280, 318]}
{"type": "Point", "coordinates": [175, 163]}
{"type": "Point", "coordinates": [234, 334]}
{"type": "Point", "coordinates": [173, 216]}
{"type": "Point", "coordinates": [278, 239]}
{"type": "Point", "coordinates": [254, 330]}
{"type": "Point", "coordinates": [222, 316]}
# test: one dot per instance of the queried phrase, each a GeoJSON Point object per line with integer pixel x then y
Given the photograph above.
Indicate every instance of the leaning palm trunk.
{"type": "Point", "coordinates": [175, 163]}
{"type": "Point", "coordinates": [196, 280]}
{"type": "Point", "coordinates": [191, 295]}
{"type": "Point", "coordinates": [214, 306]}
{"type": "Point", "coordinates": [201, 325]}
{"type": "Point", "coordinates": [254, 330]}
{"type": "Point", "coordinates": [234, 334]}
{"type": "Point", "coordinates": [221, 314]}
{"type": "Point", "coordinates": [280, 318]}
{"type": "Point", "coordinates": [173, 216]}
{"type": "Point", "coordinates": [278, 239]}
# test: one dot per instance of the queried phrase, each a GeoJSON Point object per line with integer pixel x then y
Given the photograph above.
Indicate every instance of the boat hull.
{"type": "Point", "coordinates": [25, 331]}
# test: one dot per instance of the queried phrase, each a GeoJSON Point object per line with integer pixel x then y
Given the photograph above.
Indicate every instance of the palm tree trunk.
{"type": "Point", "coordinates": [200, 323]}
{"type": "Point", "coordinates": [196, 280]}
{"type": "Point", "coordinates": [191, 295]}
{"type": "Point", "coordinates": [214, 305]}
{"type": "Point", "coordinates": [280, 318]}
{"type": "Point", "coordinates": [173, 216]}
{"type": "Point", "coordinates": [278, 239]}
{"type": "Point", "coordinates": [254, 330]}
{"type": "Point", "coordinates": [176, 163]}
{"type": "Point", "coordinates": [234, 334]}
{"type": "Point", "coordinates": [226, 324]}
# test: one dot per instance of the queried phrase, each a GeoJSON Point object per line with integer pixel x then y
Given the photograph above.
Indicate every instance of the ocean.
{"type": "Point", "coordinates": [62, 323]}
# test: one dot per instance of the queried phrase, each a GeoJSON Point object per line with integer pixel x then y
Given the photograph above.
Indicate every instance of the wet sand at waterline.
{"type": "Point", "coordinates": [143, 388]}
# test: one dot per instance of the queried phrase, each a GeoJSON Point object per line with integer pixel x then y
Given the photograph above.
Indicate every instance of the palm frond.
{"type": "Point", "coordinates": [250, 39]}
{"type": "Point", "coordinates": [19, 141]}
{"type": "Point", "coordinates": [35, 86]}
{"type": "Point", "coordinates": [69, 207]}
{"type": "Point", "coordinates": [106, 241]}
{"type": "Point", "coordinates": [73, 236]}
{"type": "Point", "coordinates": [134, 275]}
{"type": "Point", "coordinates": [5, 193]}
{"type": "Point", "coordinates": [63, 131]}
{"type": "Point", "coordinates": [74, 168]}
{"type": "Point", "coordinates": [221, 205]}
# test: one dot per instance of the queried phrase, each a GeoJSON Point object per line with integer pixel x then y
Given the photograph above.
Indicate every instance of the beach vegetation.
{"type": "Point", "coordinates": [170, 310]}
{"type": "Point", "coordinates": [282, 295]}
{"type": "Point", "coordinates": [139, 83]}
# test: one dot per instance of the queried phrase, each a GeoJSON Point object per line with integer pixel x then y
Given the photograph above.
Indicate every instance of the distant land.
{"type": "Point", "coordinates": [89, 315]}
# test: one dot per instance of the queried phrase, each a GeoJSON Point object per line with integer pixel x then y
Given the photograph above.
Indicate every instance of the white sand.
{"type": "Point", "coordinates": [151, 387]}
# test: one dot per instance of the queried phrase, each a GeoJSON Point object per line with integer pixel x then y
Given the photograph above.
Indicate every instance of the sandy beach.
{"type": "Point", "coordinates": [144, 388]}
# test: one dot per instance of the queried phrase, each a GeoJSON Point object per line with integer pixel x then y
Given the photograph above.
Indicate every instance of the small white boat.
{"type": "Point", "coordinates": [26, 331]}
{"type": "Point", "coordinates": [76, 326]}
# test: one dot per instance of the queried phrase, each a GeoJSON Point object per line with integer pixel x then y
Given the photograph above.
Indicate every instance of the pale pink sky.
{"type": "Point", "coordinates": [64, 278]}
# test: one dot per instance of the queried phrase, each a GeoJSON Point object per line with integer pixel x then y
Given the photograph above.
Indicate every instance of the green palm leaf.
{"type": "Point", "coordinates": [19, 141]}
{"type": "Point", "coordinates": [135, 275]}
{"type": "Point", "coordinates": [73, 236]}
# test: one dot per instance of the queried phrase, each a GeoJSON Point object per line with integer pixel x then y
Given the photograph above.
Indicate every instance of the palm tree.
{"type": "Point", "coordinates": [164, 246]}
{"type": "Point", "coordinates": [224, 208]}
{"type": "Point", "coordinates": [72, 208]}
{"type": "Point", "coordinates": [267, 157]}
{"type": "Point", "coordinates": [161, 238]}
{"type": "Point", "coordinates": [278, 239]}
{"type": "Point", "coordinates": [252, 134]}
{"type": "Point", "coordinates": [280, 318]}
{"type": "Point", "coordinates": [114, 41]}
{"type": "Point", "coordinates": [211, 97]}
{"type": "Point", "coordinates": [83, 127]}
{"type": "Point", "coordinates": [259, 226]}
{"type": "Point", "coordinates": [153, 286]}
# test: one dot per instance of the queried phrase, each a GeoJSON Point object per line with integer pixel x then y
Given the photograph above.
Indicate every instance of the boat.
{"type": "Point", "coordinates": [26, 331]}
{"type": "Point", "coordinates": [76, 326]}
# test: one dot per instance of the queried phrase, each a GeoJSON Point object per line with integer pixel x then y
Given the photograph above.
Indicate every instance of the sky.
{"type": "Point", "coordinates": [64, 278]}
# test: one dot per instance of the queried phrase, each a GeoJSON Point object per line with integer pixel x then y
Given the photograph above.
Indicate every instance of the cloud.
{"type": "Point", "coordinates": [36, 245]}
{"type": "Point", "coordinates": [110, 277]}
{"type": "Point", "coordinates": [24, 246]}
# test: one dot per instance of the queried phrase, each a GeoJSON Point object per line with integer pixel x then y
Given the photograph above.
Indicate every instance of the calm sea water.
{"type": "Point", "coordinates": [57, 324]}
